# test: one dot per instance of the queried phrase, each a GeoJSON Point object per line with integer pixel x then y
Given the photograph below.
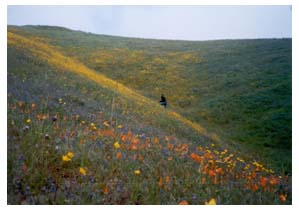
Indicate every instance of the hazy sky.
{"type": "Point", "coordinates": [164, 22]}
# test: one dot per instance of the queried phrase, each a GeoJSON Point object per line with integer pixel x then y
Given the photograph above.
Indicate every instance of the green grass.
{"type": "Point", "coordinates": [239, 89]}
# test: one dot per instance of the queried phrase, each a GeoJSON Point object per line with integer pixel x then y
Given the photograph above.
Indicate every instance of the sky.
{"type": "Point", "coordinates": [163, 22]}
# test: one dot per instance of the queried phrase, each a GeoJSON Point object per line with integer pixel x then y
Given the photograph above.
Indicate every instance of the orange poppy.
{"type": "Point", "coordinates": [283, 198]}
{"type": "Point", "coordinates": [167, 138]}
{"type": "Point", "coordinates": [212, 173]}
{"type": "Point", "coordinates": [105, 189]}
{"type": "Point", "coordinates": [170, 146]}
{"type": "Point", "coordinates": [274, 181]}
{"type": "Point", "coordinates": [263, 181]}
{"type": "Point", "coordinates": [118, 155]}
{"type": "Point", "coordinates": [167, 179]}
{"type": "Point", "coordinates": [123, 137]}
{"type": "Point", "coordinates": [208, 155]}
{"type": "Point", "coordinates": [219, 170]}
{"type": "Point", "coordinates": [141, 158]}
{"type": "Point", "coordinates": [184, 202]}
{"type": "Point", "coordinates": [160, 183]}
{"type": "Point", "coordinates": [25, 168]}
{"type": "Point", "coordinates": [134, 147]}
{"type": "Point", "coordinates": [135, 141]}
{"type": "Point", "coordinates": [255, 187]}
{"type": "Point", "coordinates": [108, 133]}
{"type": "Point", "coordinates": [195, 157]}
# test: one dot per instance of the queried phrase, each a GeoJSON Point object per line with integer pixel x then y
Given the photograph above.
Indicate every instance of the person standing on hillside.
{"type": "Point", "coordinates": [163, 101]}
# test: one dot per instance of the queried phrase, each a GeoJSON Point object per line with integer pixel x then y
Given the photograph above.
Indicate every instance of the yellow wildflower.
{"type": "Point", "coordinates": [106, 124]}
{"type": "Point", "coordinates": [216, 152]}
{"type": "Point", "coordinates": [119, 126]}
{"type": "Point", "coordinates": [211, 202]}
{"type": "Point", "coordinates": [137, 172]}
{"type": "Point", "coordinates": [224, 152]}
{"type": "Point", "coordinates": [199, 148]}
{"type": "Point", "coordinates": [70, 154]}
{"type": "Point", "coordinates": [247, 167]}
{"type": "Point", "coordinates": [28, 121]}
{"type": "Point", "coordinates": [116, 145]}
{"type": "Point", "coordinates": [93, 126]}
{"type": "Point", "coordinates": [82, 171]}
{"type": "Point", "coordinates": [65, 158]}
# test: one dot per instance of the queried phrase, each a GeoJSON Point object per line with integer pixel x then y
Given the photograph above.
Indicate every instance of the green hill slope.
{"type": "Point", "coordinates": [239, 89]}
{"type": "Point", "coordinates": [102, 90]}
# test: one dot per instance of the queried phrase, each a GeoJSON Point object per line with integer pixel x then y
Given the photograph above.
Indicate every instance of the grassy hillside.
{"type": "Point", "coordinates": [239, 89]}
{"type": "Point", "coordinates": [229, 101]}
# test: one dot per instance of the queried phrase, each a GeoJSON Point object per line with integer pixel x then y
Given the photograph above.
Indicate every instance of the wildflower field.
{"type": "Point", "coordinates": [80, 136]}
